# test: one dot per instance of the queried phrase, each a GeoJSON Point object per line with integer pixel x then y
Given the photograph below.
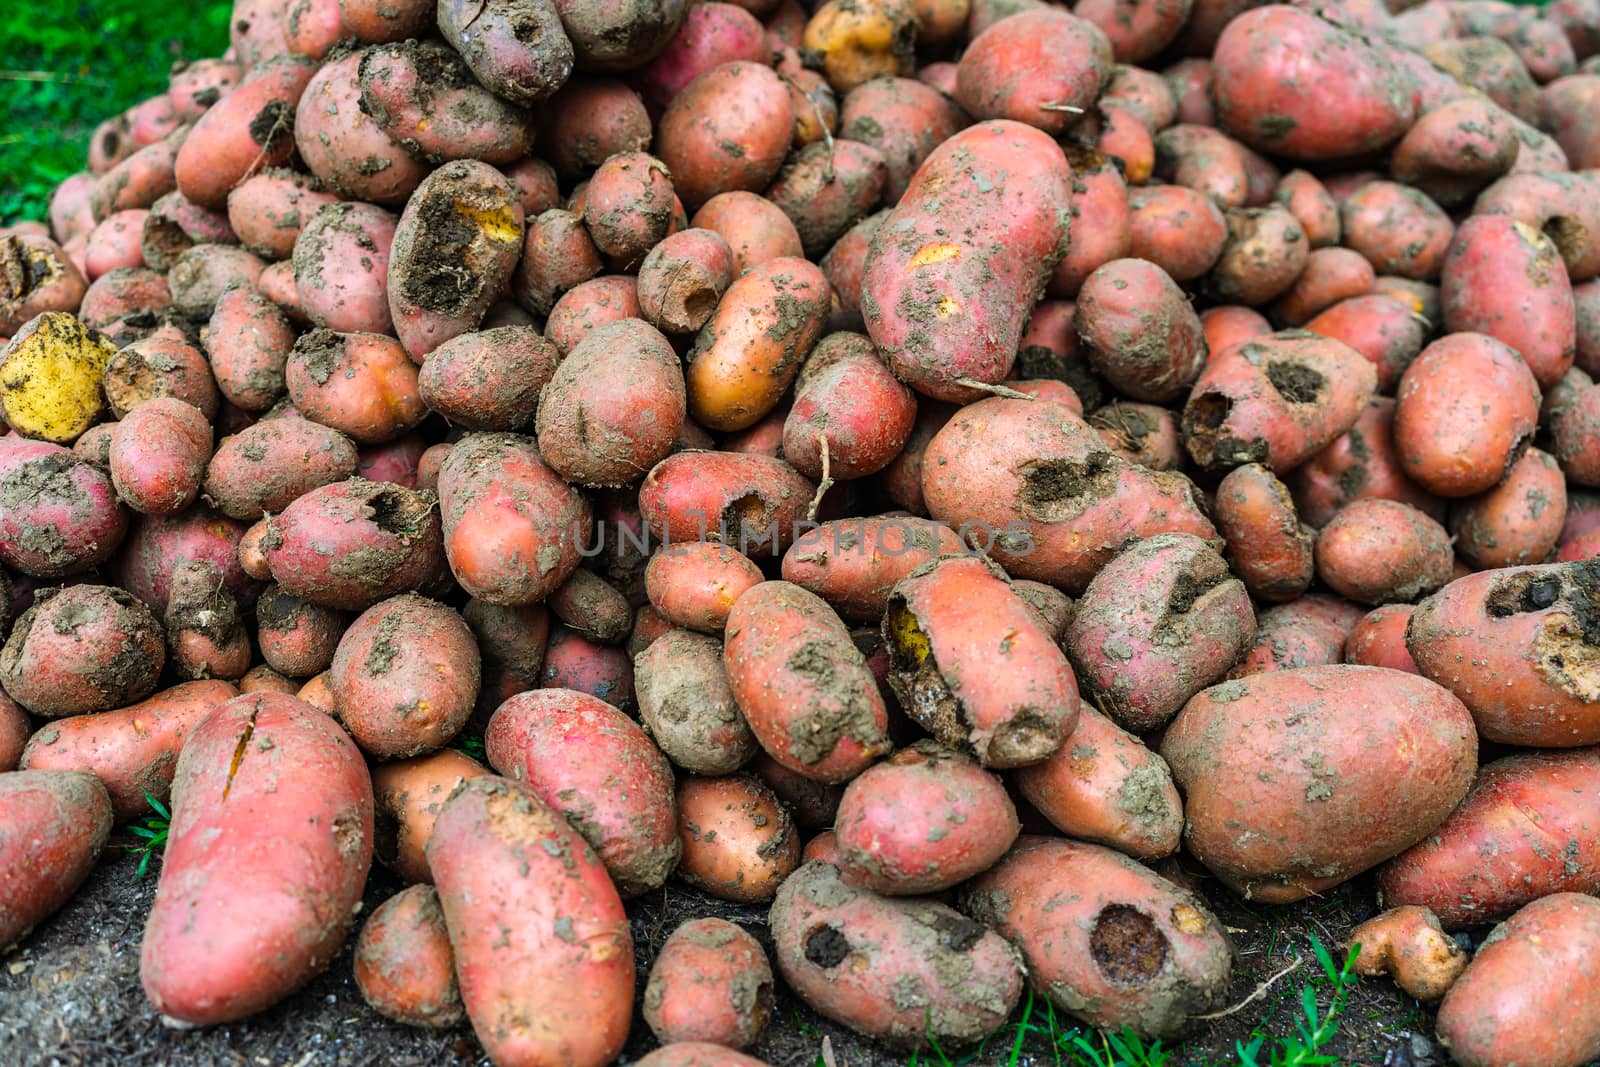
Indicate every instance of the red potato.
{"type": "Point", "coordinates": [257, 32]}
{"type": "Point", "coordinates": [921, 821]}
{"type": "Point", "coordinates": [1040, 67]}
{"type": "Point", "coordinates": [1307, 632]}
{"type": "Point", "coordinates": [1586, 302]}
{"type": "Point", "coordinates": [1229, 324]}
{"type": "Point", "coordinates": [1379, 639]}
{"type": "Point", "coordinates": [751, 348]}
{"type": "Point", "coordinates": [206, 637]}
{"type": "Point", "coordinates": [1140, 33]}
{"type": "Point", "coordinates": [1397, 228]}
{"type": "Point", "coordinates": [1533, 812]}
{"type": "Point", "coordinates": [850, 417]}
{"type": "Point", "coordinates": [298, 639]}
{"type": "Point", "coordinates": [947, 627]}
{"type": "Point", "coordinates": [1383, 551]}
{"type": "Point", "coordinates": [1308, 200]}
{"type": "Point", "coordinates": [1203, 159]}
{"type": "Point", "coordinates": [1104, 786]}
{"type": "Point", "coordinates": [557, 256]}
{"type": "Point", "coordinates": [360, 384]}
{"type": "Point", "coordinates": [1330, 276]}
{"type": "Point", "coordinates": [277, 285]}
{"type": "Point", "coordinates": [15, 727]}
{"type": "Point", "coordinates": [573, 661]}
{"type": "Point", "coordinates": [296, 856]}
{"type": "Point", "coordinates": [1543, 953]}
{"type": "Point", "coordinates": [801, 683]}
{"type": "Point", "coordinates": [115, 243]}
{"type": "Point", "coordinates": [454, 251]}
{"type": "Point", "coordinates": [1140, 332]}
{"type": "Point", "coordinates": [1327, 732]}
{"type": "Point", "coordinates": [490, 379]}
{"type": "Point", "coordinates": [424, 98]}
{"type": "Point", "coordinates": [816, 106]}
{"type": "Point", "coordinates": [683, 277]}
{"type": "Point", "coordinates": [903, 119]}
{"type": "Point", "coordinates": [403, 964]}
{"type": "Point", "coordinates": [158, 456]}
{"type": "Point", "coordinates": [1505, 279]}
{"type": "Point", "coordinates": [628, 207]}
{"type": "Point", "coordinates": [200, 276]}
{"type": "Point", "coordinates": [247, 342]}
{"type": "Point", "coordinates": [824, 190]}
{"type": "Point", "coordinates": [613, 406]}
{"type": "Point", "coordinates": [738, 839]}
{"type": "Point", "coordinates": [268, 210]}
{"type": "Point", "coordinates": [1178, 229]}
{"type": "Point", "coordinates": [41, 279]}
{"type": "Point", "coordinates": [754, 228]}
{"type": "Point", "coordinates": [1104, 938]}
{"type": "Point", "coordinates": [1124, 138]}
{"type": "Point", "coordinates": [158, 545]}
{"type": "Point", "coordinates": [82, 649]}
{"type": "Point", "coordinates": [1465, 409]}
{"type": "Point", "coordinates": [1379, 326]}
{"type": "Point", "coordinates": [249, 130]}
{"type": "Point", "coordinates": [512, 527]}
{"type": "Point", "coordinates": [133, 750]}
{"type": "Point", "coordinates": [595, 766]}
{"type": "Point", "coordinates": [1265, 253]}
{"type": "Point", "coordinates": [353, 543]}
{"type": "Point", "coordinates": [695, 584]}
{"type": "Point", "coordinates": [1456, 148]}
{"type": "Point", "coordinates": [409, 796]}
{"type": "Point", "coordinates": [845, 951]}
{"type": "Point", "coordinates": [712, 34]}
{"type": "Point", "coordinates": [710, 982]}
{"type": "Point", "coordinates": [517, 49]}
{"type": "Point", "coordinates": [687, 705]}
{"type": "Point", "coordinates": [543, 953]}
{"type": "Point", "coordinates": [70, 213]}
{"type": "Point", "coordinates": [405, 677]}
{"type": "Point", "coordinates": [1361, 463]}
{"type": "Point", "coordinates": [589, 120]}
{"type": "Point", "coordinates": [174, 224]}
{"type": "Point", "coordinates": [385, 20]}
{"type": "Point", "coordinates": [854, 564]}
{"type": "Point", "coordinates": [59, 515]}
{"type": "Point", "coordinates": [752, 114]}
{"type": "Point", "coordinates": [264, 680]}
{"type": "Point", "coordinates": [341, 267]}
{"type": "Point", "coordinates": [1269, 549]}
{"type": "Point", "coordinates": [53, 825]}
{"type": "Point", "coordinates": [1518, 521]}
{"type": "Point", "coordinates": [589, 305]}
{"type": "Point", "coordinates": [266, 467]}
{"type": "Point", "coordinates": [1566, 111]}
{"type": "Point", "coordinates": [753, 503]}
{"type": "Point", "coordinates": [143, 177]}
{"type": "Point", "coordinates": [1561, 206]}
{"type": "Point", "coordinates": [947, 315]}
{"type": "Point", "coordinates": [1100, 196]}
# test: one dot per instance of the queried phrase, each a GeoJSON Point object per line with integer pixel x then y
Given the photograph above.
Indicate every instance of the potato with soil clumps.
{"type": "Point", "coordinates": [1365, 763]}
{"type": "Point", "coordinates": [268, 466]}
{"type": "Point", "coordinates": [53, 825]}
{"type": "Point", "coordinates": [1142, 334]}
{"type": "Point", "coordinates": [409, 795]}
{"type": "Point", "coordinates": [423, 96]}
{"type": "Point", "coordinates": [710, 982]}
{"type": "Point", "coordinates": [687, 705]}
{"type": "Point", "coordinates": [403, 964]}
{"type": "Point", "coordinates": [517, 49]}
{"type": "Point", "coordinates": [271, 817]}
{"type": "Point", "coordinates": [739, 841]}
{"type": "Point", "coordinates": [82, 649]}
{"type": "Point", "coordinates": [850, 954]}
{"type": "Point", "coordinates": [1268, 547]}
{"type": "Point", "coordinates": [1383, 552]}
{"type": "Point", "coordinates": [543, 953]}
{"type": "Point", "coordinates": [59, 514]}
{"type": "Point", "coordinates": [1104, 938]}
{"type": "Point", "coordinates": [752, 503]}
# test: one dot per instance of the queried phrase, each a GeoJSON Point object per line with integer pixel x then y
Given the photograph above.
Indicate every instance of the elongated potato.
{"type": "Point", "coordinates": [53, 825]}
{"type": "Point", "coordinates": [403, 964]}
{"type": "Point", "coordinates": [271, 812]}
{"type": "Point", "coordinates": [854, 564]}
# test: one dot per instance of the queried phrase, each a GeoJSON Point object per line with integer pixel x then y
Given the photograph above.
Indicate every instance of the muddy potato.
{"type": "Point", "coordinates": [752, 503]}
{"type": "Point", "coordinates": [403, 964]}
{"type": "Point", "coordinates": [82, 649]}
{"type": "Point", "coordinates": [409, 795]}
{"type": "Point", "coordinates": [1141, 333]}
{"type": "Point", "coordinates": [53, 825]}
{"type": "Point", "coordinates": [730, 128]}
{"type": "Point", "coordinates": [687, 705]}
{"type": "Point", "coordinates": [853, 564]}
{"type": "Point", "coordinates": [696, 584]}
{"type": "Point", "coordinates": [489, 379]}
{"type": "Point", "coordinates": [1104, 938]}
{"type": "Point", "coordinates": [1408, 944]}
{"type": "Point", "coordinates": [1269, 549]}
{"type": "Point", "coordinates": [1518, 521]}
{"type": "Point", "coordinates": [738, 840]}
{"type": "Point", "coordinates": [1365, 762]}
{"type": "Point", "coordinates": [1382, 552]}
{"type": "Point", "coordinates": [710, 982]}
{"type": "Point", "coordinates": [847, 952]}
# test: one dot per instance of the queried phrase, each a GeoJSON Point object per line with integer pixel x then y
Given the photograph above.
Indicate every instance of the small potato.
{"type": "Point", "coordinates": [1141, 333]}
{"type": "Point", "coordinates": [710, 982]}
{"type": "Point", "coordinates": [197, 86]}
{"type": "Point", "coordinates": [944, 661]}
{"type": "Point", "coordinates": [1366, 762]}
{"type": "Point", "coordinates": [628, 207]}
{"type": "Point", "coordinates": [351, 544]}
{"type": "Point", "coordinates": [1307, 632]}
{"type": "Point", "coordinates": [1465, 409]}
{"type": "Point", "coordinates": [589, 120]}
{"type": "Point", "coordinates": [802, 685]}
{"type": "Point", "coordinates": [1544, 953]}
{"type": "Point", "coordinates": [1408, 944]}
{"type": "Point", "coordinates": [738, 841]}
{"type": "Point", "coordinates": [512, 527]}
{"type": "Point", "coordinates": [921, 821]}
{"type": "Point", "coordinates": [594, 765]}
{"type": "Point", "coordinates": [50, 377]}
{"type": "Point", "coordinates": [1269, 549]}
{"type": "Point", "coordinates": [1205, 160]}
{"type": "Point", "coordinates": [249, 130]}
{"type": "Point", "coordinates": [572, 661]}
{"type": "Point", "coordinates": [903, 119]}
{"type": "Point", "coordinates": [682, 278]}
{"type": "Point", "coordinates": [1379, 326]}
{"type": "Point", "coordinates": [613, 406]}
{"type": "Point", "coordinates": [1361, 463]}
{"type": "Point", "coordinates": [752, 347]}
{"type": "Point", "coordinates": [201, 274]}
{"type": "Point", "coordinates": [1379, 639]}
{"type": "Point", "coordinates": [1179, 230]}
{"type": "Point", "coordinates": [589, 305]}
{"type": "Point", "coordinates": [263, 679]}
{"type": "Point", "coordinates": [15, 726]}
{"type": "Point", "coordinates": [696, 584]}
{"type": "Point", "coordinates": [730, 128]}
{"type": "Point", "coordinates": [1159, 623]}
{"type": "Point", "coordinates": [53, 825]}
{"type": "Point", "coordinates": [114, 298]}
{"type": "Point", "coordinates": [845, 951]}
{"type": "Point", "coordinates": [268, 210]}
{"type": "Point", "coordinates": [687, 705]}
{"type": "Point", "coordinates": [424, 98]}
{"type": "Point", "coordinates": [853, 564]}
{"type": "Point", "coordinates": [1383, 552]}
{"type": "Point", "coordinates": [247, 342]}
{"type": "Point", "coordinates": [159, 454]}
{"type": "Point", "coordinates": [266, 467]}
{"type": "Point", "coordinates": [115, 243]}
{"type": "Point", "coordinates": [1105, 786]}
{"type": "Point", "coordinates": [297, 638]}
{"type": "Point", "coordinates": [621, 36]}
{"type": "Point", "coordinates": [856, 41]}
{"type": "Point", "coordinates": [592, 606]}
{"type": "Point", "coordinates": [454, 250]}
{"type": "Point", "coordinates": [403, 964]}
{"type": "Point", "coordinates": [405, 677]}
{"type": "Point", "coordinates": [712, 34]}
{"type": "Point", "coordinates": [1042, 67]}
{"type": "Point", "coordinates": [1516, 522]}
{"type": "Point", "coordinates": [1105, 938]}
{"type": "Point", "coordinates": [409, 795]}
{"type": "Point", "coordinates": [1456, 149]}
{"type": "Point", "coordinates": [1309, 201]}
{"type": "Point", "coordinates": [851, 416]}
{"type": "Point", "coordinates": [557, 255]}
{"type": "Point", "coordinates": [82, 649]}
{"type": "Point", "coordinates": [490, 379]}
{"type": "Point", "coordinates": [1265, 253]}
{"type": "Point", "coordinates": [1100, 198]}
{"type": "Point", "coordinates": [360, 384]}
{"type": "Point", "coordinates": [206, 636]}
{"type": "Point", "coordinates": [1330, 275]}
{"type": "Point", "coordinates": [341, 267]}
{"type": "Point", "coordinates": [1397, 228]}
{"type": "Point", "coordinates": [824, 190]}
{"type": "Point", "coordinates": [751, 503]}
{"type": "Point", "coordinates": [543, 953]}
{"type": "Point", "coordinates": [174, 225]}
{"type": "Point", "coordinates": [297, 823]}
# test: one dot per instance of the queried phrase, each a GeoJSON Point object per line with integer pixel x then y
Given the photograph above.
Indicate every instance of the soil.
{"type": "Point", "coordinates": [70, 995]}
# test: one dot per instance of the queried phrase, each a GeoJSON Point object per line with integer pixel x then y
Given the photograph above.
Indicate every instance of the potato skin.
{"type": "Point", "coordinates": [1516, 646]}
{"type": "Point", "coordinates": [82, 649]}
{"type": "Point", "coordinates": [517, 49]}
{"type": "Point", "coordinates": [1383, 552]}
{"type": "Point", "coordinates": [544, 956]}
{"type": "Point", "coordinates": [1537, 813]}
{"type": "Point", "coordinates": [710, 982]}
{"type": "Point", "coordinates": [1142, 334]}
{"type": "Point", "coordinates": [269, 465]}
{"type": "Point", "coordinates": [409, 794]}
{"type": "Point", "coordinates": [59, 515]}
{"type": "Point", "coordinates": [1345, 742]}
{"type": "Point", "coordinates": [53, 825]}
{"type": "Point", "coordinates": [921, 821]}
{"type": "Point", "coordinates": [599, 769]}
{"type": "Point", "coordinates": [132, 750]}
{"type": "Point", "coordinates": [403, 964]}
{"type": "Point", "coordinates": [1103, 785]}
{"type": "Point", "coordinates": [489, 379]}
{"type": "Point", "coordinates": [1505, 279]}
{"type": "Point", "coordinates": [729, 128]}
{"type": "Point", "coordinates": [845, 951]}
{"type": "Point", "coordinates": [1518, 521]}
{"type": "Point", "coordinates": [696, 584]}
{"type": "Point", "coordinates": [946, 307]}
{"type": "Point", "coordinates": [751, 502]}
{"type": "Point", "coordinates": [341, 267]}
{"type": "Point", "coordinates": [687, 705]}
{"type": "Point", "coordinates": [293, 844]}
{"type": "Point", "coordinates": [739, 841]}
{"type": "Point", "coordinates": [1038, 57]}
{"type": "Point", "coordinates": [802, 685]}
{"type": "Point", "coordinates": [1545, 953]}
{"type": "Point", "coordinates": [1103, 937]}
{"type": "Point", "coordinates": [854, 564]}
{"type": "Point", "coordinates": [1269, 549]}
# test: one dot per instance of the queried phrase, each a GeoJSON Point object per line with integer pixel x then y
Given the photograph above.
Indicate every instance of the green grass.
{"type": "Point", "coordinates": [69, 66]}
{"type": "Point", "coordinates": [152, 832]}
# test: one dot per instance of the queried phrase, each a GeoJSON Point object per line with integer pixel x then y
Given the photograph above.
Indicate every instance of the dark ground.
{"type": "Point", "coordinates": [70, 995]}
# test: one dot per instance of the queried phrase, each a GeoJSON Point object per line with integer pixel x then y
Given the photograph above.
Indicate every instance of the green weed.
{"type": "Point", "coordinates": [153, 830]}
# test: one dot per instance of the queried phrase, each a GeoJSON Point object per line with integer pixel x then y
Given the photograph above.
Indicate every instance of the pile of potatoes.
{"type": "Point", "coordinates": [918, 464]}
